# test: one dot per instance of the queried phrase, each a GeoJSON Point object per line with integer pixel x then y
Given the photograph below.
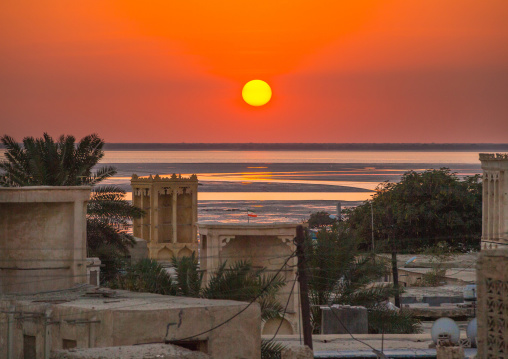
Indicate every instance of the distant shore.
{"type": "Point", "coordinates": [414, 147]}
{"type": "Point", "coordinates": [475, 147]}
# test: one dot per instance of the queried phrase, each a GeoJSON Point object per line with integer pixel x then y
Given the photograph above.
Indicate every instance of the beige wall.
{"type": "Point", "coordinates": [42, 238]}
{"type": "Point", "coordinates": [265, 246]}
{"type": "Point", "coordinates": [492, 310]}
{"type": "Point", "coordinates": [134, 318]}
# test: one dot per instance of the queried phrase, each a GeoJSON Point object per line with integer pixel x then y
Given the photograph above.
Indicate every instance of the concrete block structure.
{"type": "Point", "coordinates": [344, 319]}
{"type": "Point", "coordinates": [450, 352]}
{"type": "Point", "coordinates": [171, 205]}
{"type": "Point", "coordinates": [297, 352]}
{"type": "Point", "coordinates": [492, 313]}
{"type": "Point", "coordinates": [40, 324]}
{"type": "Point", "coordinates": [495, 200]}
{"type": "Point", "coordinates": [147, 351]}
{"type": "Point", "coordinates": [265, 246]}
{"type": "Point", "coordinates": [42, 238]}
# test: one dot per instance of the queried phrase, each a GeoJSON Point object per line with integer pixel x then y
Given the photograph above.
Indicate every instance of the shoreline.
{"type": "Point", "coordinates": [417, 147]}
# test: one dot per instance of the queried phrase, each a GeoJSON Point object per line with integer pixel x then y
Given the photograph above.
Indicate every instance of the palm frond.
{"type": "Point", "coordinates": [188, 275]}
{"type": "Point", "coordinates": [271, 349]}
{"type": "Point", "coordinates": [147, 276]}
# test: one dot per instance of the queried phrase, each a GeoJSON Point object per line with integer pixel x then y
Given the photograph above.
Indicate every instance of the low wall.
{"type": "Point", "coordinates": [42, 238]}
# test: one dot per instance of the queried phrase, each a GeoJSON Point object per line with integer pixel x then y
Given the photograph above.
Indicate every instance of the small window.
{"type": "Point", "coordinates": [93, 277]}
{"type": "Point", "coordinates": [68, 344]}
{"type": "Point", "coordinates": [29, 351]}
{"type": "Point", "coordinates": [194, 345]}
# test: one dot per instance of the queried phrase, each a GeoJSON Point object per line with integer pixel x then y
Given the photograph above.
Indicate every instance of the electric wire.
{"type": "Point", "coordinates": [285, 310]}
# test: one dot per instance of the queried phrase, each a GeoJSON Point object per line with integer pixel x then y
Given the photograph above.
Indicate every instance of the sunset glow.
{"type": "Point", "coordinates": [342, 71]}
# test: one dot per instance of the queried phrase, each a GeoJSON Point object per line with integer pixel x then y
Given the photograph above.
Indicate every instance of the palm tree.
{"type": "Point", "coordinates": [46, 162]}
{"type": "Point", "coordinates": [238, 281]}
{"type": "Point", "coordinates": [108, 220]}
{"type": "Point", "coordinates": [340, 274]}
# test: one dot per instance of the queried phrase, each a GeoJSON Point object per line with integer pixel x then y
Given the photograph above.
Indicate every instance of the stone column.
{"type": "Point", "coordinates": [194, 195]}
{"type": "Point", "coordinates": [214, 247]}
{"type": "Point", "coordinates": [503, 181]}
{"type": "Point", "coordinates": [491, 207]}
{"type": "Point", "coordinates": [79, 254]}
{"type": "Point", "coordinates": [155, 214]}
{"type": "Point", "coordinates": [142, 219]}
{"type": "Point", "coordinates": [485, 207]}
{"type": "Point", "coordinates": [174, 220]}
{"type": "Point", "coordinates": [495, 219]}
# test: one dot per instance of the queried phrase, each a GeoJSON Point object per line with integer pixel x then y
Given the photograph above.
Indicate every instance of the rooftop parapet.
{"type": "Point", "coordinates": [157, 178]}
{"type": "Point", "coordinates": [493, 156]}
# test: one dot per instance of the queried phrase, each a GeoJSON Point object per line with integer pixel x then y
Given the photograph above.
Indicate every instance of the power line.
{"type": "Point", "coordinates": [377, 352]}
{"type": "Point", "coordinates": [285, 310]}
{"type": "Point", "coordinates": [243, 310]}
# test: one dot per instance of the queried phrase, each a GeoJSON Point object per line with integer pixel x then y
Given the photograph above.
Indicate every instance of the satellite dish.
{"type": "Point", "coordinates": [445, 326]}
{"type": "Point", "coordinates": [472, 331]}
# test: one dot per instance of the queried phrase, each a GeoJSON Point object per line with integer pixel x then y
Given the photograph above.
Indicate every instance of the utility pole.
{"type": "Point", "coordinates": [304, 288]}
{"type": "Point", "coordinates": [395, 272]}
{"type": "Point", "coordinates": [372, 224]}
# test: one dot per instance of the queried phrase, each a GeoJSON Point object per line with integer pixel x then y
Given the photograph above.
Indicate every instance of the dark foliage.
{"type": "Point", "coordinates": [321, 219]}
{"type": "Point", "coordinates": [238, 281]}
{"type": "Point", "coordinates": [384, 320]}
{"type": "Point", "coordinates": [46, 162]}
{"type": "Point", "coordinates": [271, 350]}
{"type": "Point", "coordinates": [341, 274]}
{"type": "Point", "coordinates": [420, 211]}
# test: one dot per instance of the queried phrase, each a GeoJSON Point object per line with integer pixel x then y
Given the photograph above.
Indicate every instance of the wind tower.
{"type": "Point", "coordinates": [170, 223]}
{"type": "Point", "coordinates": [495, 201]}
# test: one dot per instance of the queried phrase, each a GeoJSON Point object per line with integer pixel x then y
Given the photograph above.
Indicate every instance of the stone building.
{"type": "Point", "coordinates": [495, 200]}
{"type": "Point", "coordinates": [42, 238]}
{"type": "Point", "coordinates": [36, 326]}
{"type": "Point", "coordinates": [492, 314]}
{"type": "Point", "coordinates": [46, 305]}
{"type": "Point", "coordinates": [265, 246]}
{"type": "Point", "coordinates": [171, 206]}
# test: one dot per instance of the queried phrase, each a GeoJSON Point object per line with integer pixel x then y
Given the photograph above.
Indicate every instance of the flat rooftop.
{"type": "Point", "coordinates": [394, 345]}
{"type": "Point", "coordinates": [249, 225]}
{"type": "Point", "coordinates": [87, 297]}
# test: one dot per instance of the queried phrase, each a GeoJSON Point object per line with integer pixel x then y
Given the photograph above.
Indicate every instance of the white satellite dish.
{"type": "Point", "coordinates": [445, 326]}
{"type": "Point", "coordinates": [472, 331]}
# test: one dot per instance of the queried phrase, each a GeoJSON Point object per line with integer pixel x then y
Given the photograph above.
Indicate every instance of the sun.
{"type": "Point", "coordinates": [256, 93]}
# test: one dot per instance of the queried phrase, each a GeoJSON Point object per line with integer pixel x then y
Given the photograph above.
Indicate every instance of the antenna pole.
{"type": "Point", "coordinates": [304, 288]}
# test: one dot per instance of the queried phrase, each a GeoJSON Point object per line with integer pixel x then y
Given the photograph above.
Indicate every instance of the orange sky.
{"type": "Point", "coordinates": [172, 71]}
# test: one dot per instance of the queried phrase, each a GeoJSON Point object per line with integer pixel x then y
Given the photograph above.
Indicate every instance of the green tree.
{"type": "Point", "coordinates": [46, 162]}
{"type": "Point", "coordinates": [422, 210]}
{"type": "Point", "coordinates": [109, 217]}
{"type": "Point", "coordinates": [238, 281]}
{"type": "Point", "coordinates": [321, 219]}
{"type": "Point", "coordinates": [341, 274]}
